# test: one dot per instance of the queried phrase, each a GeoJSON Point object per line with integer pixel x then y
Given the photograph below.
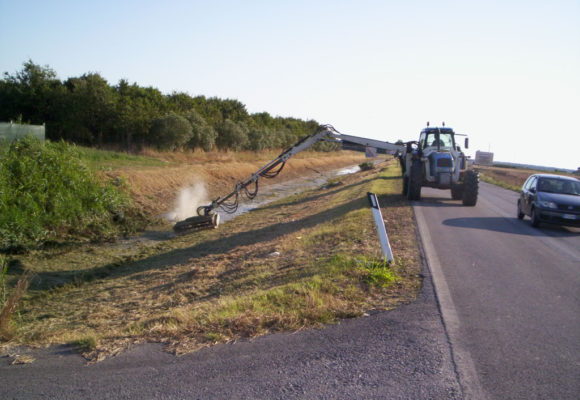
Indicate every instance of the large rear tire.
{"type": "Point", "coordinates": [415, 180]}
{"type": "Point", "coordinates": [470, 188]}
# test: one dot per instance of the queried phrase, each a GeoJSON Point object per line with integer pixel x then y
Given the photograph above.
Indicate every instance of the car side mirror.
{"type": "Point", "coordinates": [466, 143]}
{"type": "Point", "coordinates": [533, 190]}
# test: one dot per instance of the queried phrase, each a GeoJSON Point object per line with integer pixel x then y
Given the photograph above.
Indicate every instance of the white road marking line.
{"type": "Point", "coordinates": [468, 377]}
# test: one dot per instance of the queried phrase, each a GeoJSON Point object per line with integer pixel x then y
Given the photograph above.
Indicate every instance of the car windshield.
{"type": "Point", "coordinates": [555, 185]}
{"type": "Point", "coordinates": [445, 140]}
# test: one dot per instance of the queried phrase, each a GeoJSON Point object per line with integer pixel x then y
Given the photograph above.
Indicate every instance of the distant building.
{"type": "Point", "coordinates": [483, 158]}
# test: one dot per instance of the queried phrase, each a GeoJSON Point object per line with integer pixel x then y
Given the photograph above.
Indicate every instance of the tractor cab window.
{"type": "Point", "coordinates": [442, 140]}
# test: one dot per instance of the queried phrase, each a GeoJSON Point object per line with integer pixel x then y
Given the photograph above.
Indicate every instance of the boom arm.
{"type": "Point", "coordinates": [229, 203]}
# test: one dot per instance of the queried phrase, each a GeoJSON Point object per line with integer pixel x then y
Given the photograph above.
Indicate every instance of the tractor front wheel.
{"type": "Point", "coordinates": [457, 192]}
{"type": "Point", "coordinates": [415, 181]}
{"type": "Point", "coordinates": [470, 188]}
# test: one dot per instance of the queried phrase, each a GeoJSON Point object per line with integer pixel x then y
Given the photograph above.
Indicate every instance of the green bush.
{"type": "Point", "coordinates": [48, 195]}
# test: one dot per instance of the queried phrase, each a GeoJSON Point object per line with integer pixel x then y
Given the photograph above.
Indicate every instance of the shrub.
{"type": "Point", "coordinates": [366, 166]}
{"type": "Point", "coordinates": [170, 132]}
{"type": "Point", "coordinates": [47, 194]}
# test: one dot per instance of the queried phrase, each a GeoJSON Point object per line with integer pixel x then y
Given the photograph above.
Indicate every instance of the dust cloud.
{"type": "Point", "coordinates": [188, 200]}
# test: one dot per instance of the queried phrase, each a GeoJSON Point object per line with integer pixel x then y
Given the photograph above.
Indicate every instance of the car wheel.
{"type": "Point", "coordinates": [535, 218]}
{"type": "Point", "coordinates": [520, 213]}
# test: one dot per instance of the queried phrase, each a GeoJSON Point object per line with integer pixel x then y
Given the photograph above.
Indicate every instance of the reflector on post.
{"type": "Point", "coordinates": [381, 230]}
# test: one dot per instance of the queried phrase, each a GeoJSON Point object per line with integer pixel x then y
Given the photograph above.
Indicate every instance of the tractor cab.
{"type": "Point", "coordinates": [438, 138]}
{"type": "Point", "coordinates": [438, 146]}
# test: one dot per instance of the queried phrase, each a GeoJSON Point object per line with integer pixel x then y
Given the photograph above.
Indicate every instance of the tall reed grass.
{"type": "Point", "coordinates": [47, 194]}
{"type": "Point", "coordinates": [10, 298]}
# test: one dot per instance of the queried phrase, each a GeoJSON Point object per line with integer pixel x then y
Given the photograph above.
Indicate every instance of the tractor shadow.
{"type": "Point", "coordinates": [429, 201]}
{"type": "Point", "coordinates": [511, 226]}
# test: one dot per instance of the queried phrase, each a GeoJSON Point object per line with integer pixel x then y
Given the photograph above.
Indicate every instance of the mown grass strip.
{"type": "Point", "coordinates": [302, 262]}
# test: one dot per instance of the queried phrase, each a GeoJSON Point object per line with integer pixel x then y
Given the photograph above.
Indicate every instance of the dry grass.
{"type": "Point", "coordinates": [155, 188]}
{"type": "Point", "coordinates": [509, 178]}
{"type": "Point", "coordinates": [10, 305]}
{"type": "Point", "coordinates": [301, 262]}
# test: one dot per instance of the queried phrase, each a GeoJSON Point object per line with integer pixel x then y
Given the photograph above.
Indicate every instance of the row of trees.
{"type": "Point", "coordinates": [88, 110]}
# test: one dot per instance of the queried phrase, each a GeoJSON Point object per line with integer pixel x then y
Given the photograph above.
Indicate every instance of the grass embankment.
{"type": "Point", "coordinates": [155, 188]}
{"type": "Point", "coordinates": [508, 178]}
{"type": "Point", "coordinates": [48, 195]}
{"type": "Point", "coordinates": [305, 261]}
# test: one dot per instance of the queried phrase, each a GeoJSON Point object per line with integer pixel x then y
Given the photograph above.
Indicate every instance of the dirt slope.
{"type": "Point", "coordinates": [155, 189]}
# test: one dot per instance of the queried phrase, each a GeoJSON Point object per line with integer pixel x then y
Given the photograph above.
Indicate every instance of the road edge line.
{"type": "Point", "coordinates": [461, 357]}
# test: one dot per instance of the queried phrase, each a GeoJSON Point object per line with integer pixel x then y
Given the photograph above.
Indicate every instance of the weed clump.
{"type": "Point", "coordinates": [48, 195]}
{"type": "Point", "coordinates": [377, 273]}
{"type": "Point", "coordinates": [366, 166]}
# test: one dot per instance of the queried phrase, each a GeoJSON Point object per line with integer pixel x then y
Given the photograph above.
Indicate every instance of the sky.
{"type": "Point", "coordinates": [507, 73]}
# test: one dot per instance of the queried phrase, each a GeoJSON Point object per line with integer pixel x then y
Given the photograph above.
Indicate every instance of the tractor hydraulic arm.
{"type": "Point", "coordinates": [249, 187]}
{"type": "Point", "coordinates": [274, 167]}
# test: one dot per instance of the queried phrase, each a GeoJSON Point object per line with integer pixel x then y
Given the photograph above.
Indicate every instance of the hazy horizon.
{"type": "Point", "coordinates": [505, 73]}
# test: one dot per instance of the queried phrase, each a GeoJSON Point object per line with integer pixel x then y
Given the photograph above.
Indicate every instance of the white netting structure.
{"type": "Point", "coordinates": [10, 131]}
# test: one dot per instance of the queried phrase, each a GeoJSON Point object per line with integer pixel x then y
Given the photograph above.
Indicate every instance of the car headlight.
{"type": "Point", "coordinates": [548, 204]}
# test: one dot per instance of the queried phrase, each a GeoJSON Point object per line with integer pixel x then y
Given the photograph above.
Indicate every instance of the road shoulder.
{"type": "Point", "coordinates": [461, 358]}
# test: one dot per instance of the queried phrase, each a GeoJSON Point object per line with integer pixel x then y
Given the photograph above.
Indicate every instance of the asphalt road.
{"type": "Point", "coordinates": [509, 329]}
{"type": "Point", "coordinates": [510, 296]}
{"type": "Point", "coordinates": [399, 354]}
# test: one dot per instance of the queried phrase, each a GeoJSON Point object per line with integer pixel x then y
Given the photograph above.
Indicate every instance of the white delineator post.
{"type": "Point", "coordinates": [381, 230]}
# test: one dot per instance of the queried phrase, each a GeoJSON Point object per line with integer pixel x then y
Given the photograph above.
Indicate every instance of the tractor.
{"type": "Point", "coordinates": [434, 161]}
{"type": "Point", "coordinates": [437, 161]}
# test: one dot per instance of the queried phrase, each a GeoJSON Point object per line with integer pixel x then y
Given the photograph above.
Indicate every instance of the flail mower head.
{"type": "Point", "coordinates": [206, 219]}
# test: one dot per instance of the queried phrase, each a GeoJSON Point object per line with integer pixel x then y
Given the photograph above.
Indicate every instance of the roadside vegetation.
{"type": "Point", "coordinates": [302, 262]}
{"type": "Point", "coordinates": [10, 298]}
{"type": "Point", "coordinates": [89, 111]}
{"type": "Point", "coordinates": [509, 178]}
{"type": "Point", "coordinates": [47, 195]}
{"type": "Point", "coordinates": [70, 273]}
{"type": "Point", "coordinates": [367, 165]}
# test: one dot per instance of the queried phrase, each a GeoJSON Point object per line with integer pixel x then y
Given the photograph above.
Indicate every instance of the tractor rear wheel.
{"type": "Point", "coordinates": [470, 188]}
{"type": "Point", "coordinates": [457, 192]}
{"type": "Point", "coordinates": [415, 181]}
